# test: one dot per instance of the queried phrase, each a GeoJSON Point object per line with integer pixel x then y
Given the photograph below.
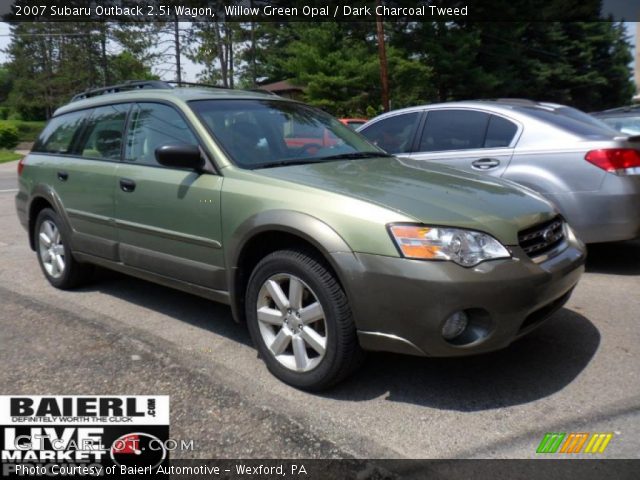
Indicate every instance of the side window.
{"type": "Point", "coordinates": [500, 132]}
{"type": "Point", "coordinates": [60, 134]}
{"type": "Point", "coordinates": [153, 125]}
{"type": "Point", "coordinates": [102, 137]}
{"type": "Point", "coordinates": [453, 130]}
{"type": "Point", "coordinates": [394, 134]}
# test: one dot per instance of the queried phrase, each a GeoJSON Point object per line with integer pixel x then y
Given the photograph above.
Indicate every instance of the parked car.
{"type": "Point", "coordinates": [354, 123]}
{"type": "Point", "coordinates": [589, 171]}
{"type": "Point", "coordinates": [324, 254]}
{"type": "Point", "coordinates": [623, 119]}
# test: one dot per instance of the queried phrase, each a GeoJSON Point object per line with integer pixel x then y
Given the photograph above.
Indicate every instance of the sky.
{"type": "Point", "coordinates": [191, 70]}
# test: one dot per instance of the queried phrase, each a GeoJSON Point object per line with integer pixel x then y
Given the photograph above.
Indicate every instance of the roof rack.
{"type": "Point", "coordinates": [122, 87]}
{"type": "Point", "coordinates": [195, 84]}
{"type": "Point", "coordinates": [208, 85]}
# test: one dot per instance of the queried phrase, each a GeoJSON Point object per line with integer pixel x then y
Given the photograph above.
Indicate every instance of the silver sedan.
{"type": "Point", "coordinates": [588, 170]}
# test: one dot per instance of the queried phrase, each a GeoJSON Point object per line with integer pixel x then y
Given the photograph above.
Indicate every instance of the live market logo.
{"type": "Point", "coordinates": [82, 435]}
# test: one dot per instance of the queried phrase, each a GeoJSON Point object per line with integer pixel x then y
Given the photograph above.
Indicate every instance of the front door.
{"type": "Point", "coordinates": [168, 219]}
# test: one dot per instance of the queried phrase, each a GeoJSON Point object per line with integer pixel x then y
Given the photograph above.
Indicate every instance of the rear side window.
{"type": "Point", "coordinates": [454, 130]}
{"type": "Point", "coordinates": [500, 132]}
{"type": "Point", "coordinates": [60, 134]}
{"type": "Point", "coordinates": [102, 136]}
{"type": "Point", "coordinates": [569, 124]}
{"type": "Point", "coordinates": [393, 134]}
{"type": "Point", "coordinates": [154, 125]}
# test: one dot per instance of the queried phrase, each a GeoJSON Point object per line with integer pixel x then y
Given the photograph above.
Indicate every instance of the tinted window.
{"type": "Point", "coordinates": [60, 134]}
{"type": "Point", "coordinates": [154, 125]}
{"type": "Point", "coordinates": [453, 130]}
{"type": "Point", "coordinates": [500, 132]}
{"type": "Point", "coordinates": [262, 133]}
{"type": "Point", "coordinates": [102, 136]}
{"type": "Point", "coordinates": [393, 134]}
{"type": "Point", "coordinates": [567, 123]}
{"type": "Point", "coordinates": [628, 125]}
{"type": "Point", "coordinates": [581, 116]}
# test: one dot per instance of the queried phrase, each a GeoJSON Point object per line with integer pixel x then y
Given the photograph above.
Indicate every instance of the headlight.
{"type": "Point", "coordinates": [464, 247]}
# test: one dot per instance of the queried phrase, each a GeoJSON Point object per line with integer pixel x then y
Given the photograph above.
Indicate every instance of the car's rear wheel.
{"type": "Point", "coordinates": [300, 321]}
{"type": "Point", "coordinates": [54, 255]}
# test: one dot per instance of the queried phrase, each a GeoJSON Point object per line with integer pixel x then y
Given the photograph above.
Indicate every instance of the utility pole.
{"type": "Point", "coordinates": [382, 53]}
{"type": "Point", "coordinates": [176, 37]}
{"type": "Point", "coordinates": [103, 46]}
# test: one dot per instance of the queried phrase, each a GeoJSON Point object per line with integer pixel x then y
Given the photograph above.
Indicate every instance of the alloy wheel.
{"type": "Point", "coordinates": [292, 324]}
{"type": "Point", "coordinates": [51, 249]}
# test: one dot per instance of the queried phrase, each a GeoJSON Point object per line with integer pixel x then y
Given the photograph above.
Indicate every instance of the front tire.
{"type": "Point", "coordinates": [54, 255]}
{"type": "Point", "coordinates": [300, 321]}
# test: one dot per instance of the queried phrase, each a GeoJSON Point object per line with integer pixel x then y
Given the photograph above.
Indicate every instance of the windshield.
{"type": "Point", "coordinates": [267, 133]}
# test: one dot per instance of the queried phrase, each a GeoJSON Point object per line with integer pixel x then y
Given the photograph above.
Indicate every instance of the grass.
{"type": "Point", "coordinates": [8, 156]}
{"type": "Point", "coordinates": [27, 131]}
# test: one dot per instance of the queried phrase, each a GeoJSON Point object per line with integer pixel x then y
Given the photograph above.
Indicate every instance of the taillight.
{"type": "Point", "coordinates": [21, 166]}
{"type": "Point", "coordinates": [621, 161]}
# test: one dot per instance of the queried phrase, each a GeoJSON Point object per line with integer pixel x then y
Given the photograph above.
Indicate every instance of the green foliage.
{"type": "Point", "coordinates": [9, 156]}
{"type": "Point", "coordinates": [8, 136]}
{"type": "Point", "coordinates": [51, 61]}
{"type": "Point", "coordinates": [336, 63]}
{"type": "Point", "coordinates": [27, 131]}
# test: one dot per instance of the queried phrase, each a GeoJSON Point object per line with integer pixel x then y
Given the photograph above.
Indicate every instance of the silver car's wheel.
{"type": "Point", "coordinates": [51, 249]}
{"type": "Point", "coordinates": [292, 322]}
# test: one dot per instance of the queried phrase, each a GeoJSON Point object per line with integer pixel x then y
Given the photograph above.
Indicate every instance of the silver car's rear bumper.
{"type": "Point", "coordinates": [608, 215]}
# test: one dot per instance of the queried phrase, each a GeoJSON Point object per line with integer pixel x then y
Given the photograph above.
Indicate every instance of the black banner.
{"type": "Point", "coordinates": [316, 10]}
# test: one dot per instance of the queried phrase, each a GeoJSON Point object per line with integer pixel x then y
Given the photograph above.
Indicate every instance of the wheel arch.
{"type": "Point", "coordinates": [276, 230]}
{"type": "Point", "coordinates": [41, 198]}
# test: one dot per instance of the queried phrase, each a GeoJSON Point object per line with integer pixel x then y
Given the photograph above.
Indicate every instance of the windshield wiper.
{"type": "Point", "coordinates": [304, 161]}
{"type": "Point", "coordinates": [356, 155]}
{"type": "Point", "coordinates": [285, 163]}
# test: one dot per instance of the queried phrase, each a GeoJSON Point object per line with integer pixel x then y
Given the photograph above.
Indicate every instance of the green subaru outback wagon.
{"type": "Point", "coordinates": [323, 244]}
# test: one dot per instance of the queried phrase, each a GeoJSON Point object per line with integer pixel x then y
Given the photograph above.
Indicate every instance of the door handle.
{"type": "Point", "coordinates": [63, 176]}
{"type": "Point", "coordinates": [127, 185]}
{"type": "Point", "coordinates": [485, 163]}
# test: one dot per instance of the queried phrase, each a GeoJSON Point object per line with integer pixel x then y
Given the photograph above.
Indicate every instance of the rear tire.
{"type": "Point", "coordinates": [54, 254]}
{"type": "Point", "coordinates": [300, 321]}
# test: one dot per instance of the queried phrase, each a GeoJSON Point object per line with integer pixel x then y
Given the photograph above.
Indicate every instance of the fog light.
{"type": "Point", "coordinates": [454, 325]}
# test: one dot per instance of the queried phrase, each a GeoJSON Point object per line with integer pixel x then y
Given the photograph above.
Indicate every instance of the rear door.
{"type": "Point", "coordinates": [467, 139]}
{"type": "Point", "coordinates": [168, 219]}
{"type": "Point", "coordinates": [86, 146]}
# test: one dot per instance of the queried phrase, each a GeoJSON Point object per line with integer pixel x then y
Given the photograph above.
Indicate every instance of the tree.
{"type": "Point", "coordinates": [49, 62]}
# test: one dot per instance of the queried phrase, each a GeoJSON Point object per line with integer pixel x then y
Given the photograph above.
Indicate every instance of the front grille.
{"type": "Point", "coordinates": [542, 238]}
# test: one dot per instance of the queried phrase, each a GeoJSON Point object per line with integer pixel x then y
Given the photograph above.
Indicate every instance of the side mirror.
{"type": "Point", "coordinates": [180, 156]}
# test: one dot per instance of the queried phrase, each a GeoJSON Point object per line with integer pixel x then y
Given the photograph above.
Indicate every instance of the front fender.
{"type": "Point", "coordinates": [308, 228]}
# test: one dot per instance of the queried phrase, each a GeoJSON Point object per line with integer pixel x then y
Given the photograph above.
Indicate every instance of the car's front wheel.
{"type": "Point", "coordinates": [300, 321]}
{"type": "Point", "coordinates": [54, 255]}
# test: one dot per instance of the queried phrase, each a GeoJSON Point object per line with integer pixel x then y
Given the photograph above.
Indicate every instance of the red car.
{"type": "Point", "coordinates": [354, 122]}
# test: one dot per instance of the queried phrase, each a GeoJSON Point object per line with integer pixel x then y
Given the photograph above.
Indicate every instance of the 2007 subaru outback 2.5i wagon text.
{"type": "Point", "coordinates": [324, 252]}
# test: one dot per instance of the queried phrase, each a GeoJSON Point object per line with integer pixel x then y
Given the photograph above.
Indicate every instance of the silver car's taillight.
{"type": "Point", "coordinates": [621, 161]}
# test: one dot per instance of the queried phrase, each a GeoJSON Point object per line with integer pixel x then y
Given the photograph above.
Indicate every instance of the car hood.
{"type": "Point", "coordinates": [429, 193]}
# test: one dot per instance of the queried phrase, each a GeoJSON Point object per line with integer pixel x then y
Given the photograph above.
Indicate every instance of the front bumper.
{"type": "Point", "coordinates": [400, 305]}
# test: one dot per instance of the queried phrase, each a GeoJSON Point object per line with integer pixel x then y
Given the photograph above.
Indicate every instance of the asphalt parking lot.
{"type": "Point", "coordinates": [578, 373]}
